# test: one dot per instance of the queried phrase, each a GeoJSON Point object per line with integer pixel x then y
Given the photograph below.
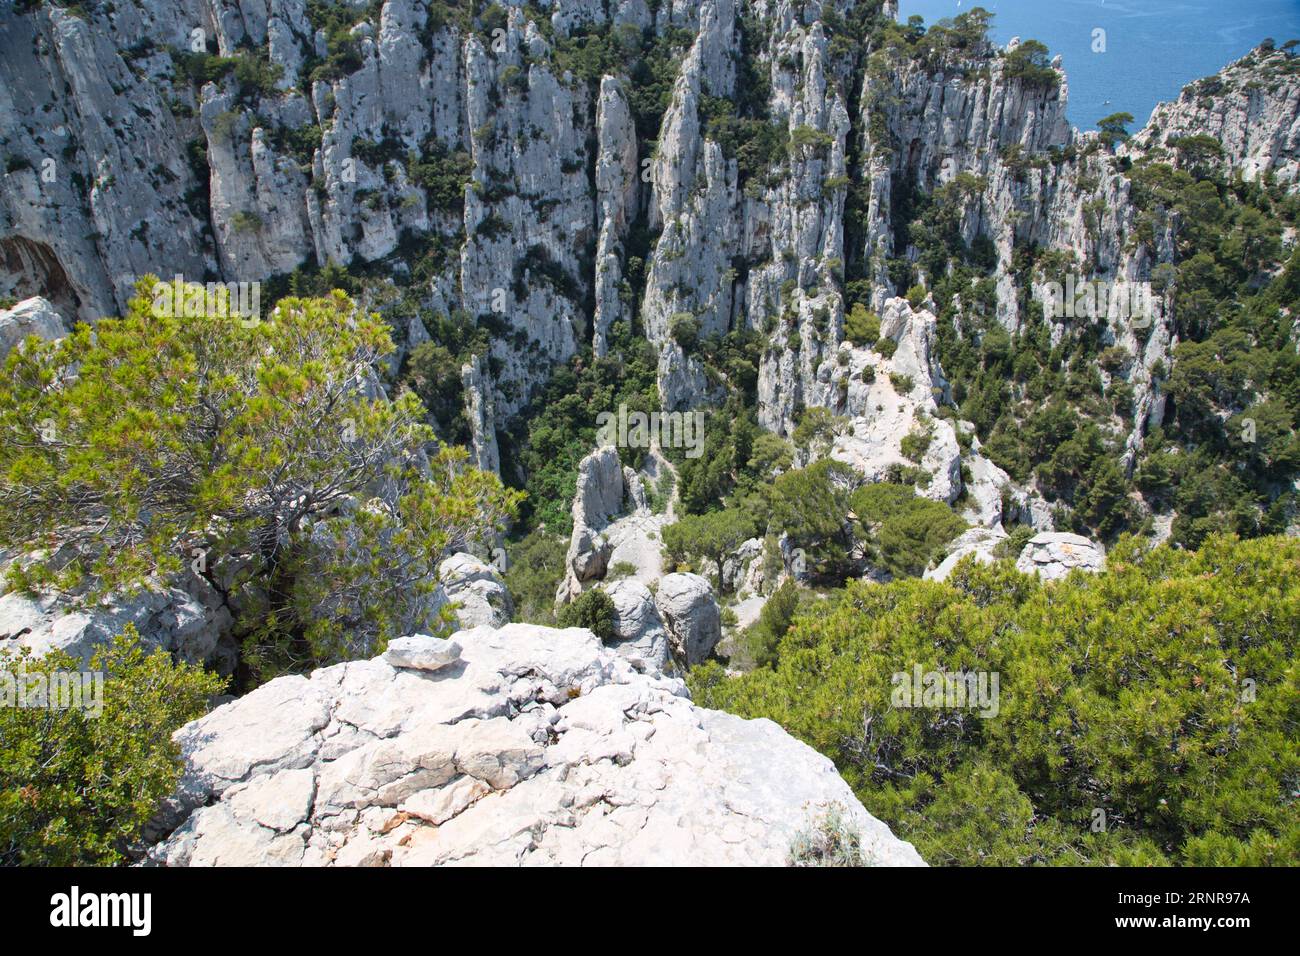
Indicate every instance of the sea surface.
{"type": "Point", "coordinates": [1153, 48]}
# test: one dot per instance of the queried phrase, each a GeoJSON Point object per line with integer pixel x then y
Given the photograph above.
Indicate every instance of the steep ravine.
{"type": "Point", "coordinates": [492, 166]}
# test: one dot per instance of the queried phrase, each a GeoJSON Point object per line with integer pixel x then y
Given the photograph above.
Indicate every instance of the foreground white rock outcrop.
{"type": "Point", "coordinates": [530, 746]}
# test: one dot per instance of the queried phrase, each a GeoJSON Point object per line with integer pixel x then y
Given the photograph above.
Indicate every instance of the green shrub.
{"type": "Point", "coordinates": [1163, 694]}
{"type": "Point", "coordinates": [594, 610]}
{"type": "Point", "coordinates": [256, 74]}
{"type": "Point", "coordinates": [244, 221]}
{"type": "Point", "coordinates": [685, 331]}
{"type": "Point", "coordinates": [861, 326]}
{"type": "Point", "coordinates": [76, 789]}
{"type": "Point", "coordinates": [916, 443]}
{"type": "Point", "coordinates": [829, 840]}
{"type": "Point", "coordinates": [808, 138]}
{"type": "Point", "coordinates": [443, 175]}
{"type": "Point", "coordinates": [621, 569]}
{"type": "Point", "coordinates": [902, 383]}
{"type": "Point", "coordinates": [202, 68]}
{"type": "Point", "coordinates": [1014, 543]}
{"type": "Point", "coordinates": [433, 372]}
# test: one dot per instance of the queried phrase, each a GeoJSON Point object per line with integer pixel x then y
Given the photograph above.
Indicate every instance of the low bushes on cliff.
{"type": "Point", "coordinates": [1144, 715]}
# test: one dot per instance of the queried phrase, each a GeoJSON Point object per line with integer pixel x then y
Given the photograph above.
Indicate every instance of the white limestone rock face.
{"type": "Point", "coordinates": [94, 194]}
{"type": "Point", "coordinates": [613, 524]}
{"type": "Point", "coordinates": [640, 636]}
{"type": "Point", "coordinates": [1052, 555]}
{"type": "Point", "coordinates": [974, 128]}
{"type": "Point", "coordinates": [742, 570]}
{"type": "Point", "coordinates": [482, 416]}
{"type": "Point", "coordinates": [691, 615]}
{"type": "Point", "coordinates": [537, 747]}
{"type": "Point", "coordinates": [193, 626]}
{"type": "Point", "coordinates": [480, 596]}
{"type": "Point", "coordinates": [34, 316]}
{"type": "Point", "coordinates": [1252, 110]}
{"type": "Point", "coordinates": [597, 500]}
{"type": "Point", "coordinates": [980, 542]}
{"type": "Point", "coordinates": [617, 186]}
{"type": "Point", "coordinates": [985, 486]}
{"type": "Point", "coordinates": [888, 399]}
{"type": "Point", "coordinates": [696, 202]}
{"type": "Point", "coordinates": [636, 539]}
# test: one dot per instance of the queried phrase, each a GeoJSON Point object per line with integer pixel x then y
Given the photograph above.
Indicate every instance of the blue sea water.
{"type": "Point", "coordinates": [1153, 47]}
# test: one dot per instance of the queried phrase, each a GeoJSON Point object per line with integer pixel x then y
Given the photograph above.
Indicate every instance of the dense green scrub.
{"type": "Point", "coordinates": [78, 785]}
{"type": "Point", "coordinates": [1148, 714]}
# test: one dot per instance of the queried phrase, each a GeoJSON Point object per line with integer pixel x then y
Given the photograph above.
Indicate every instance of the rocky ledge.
{"type": "Point", "coordinates": [517, 745]}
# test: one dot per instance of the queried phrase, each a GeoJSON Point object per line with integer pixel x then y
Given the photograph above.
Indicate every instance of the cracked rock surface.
{"type": "Point", "coordinates": [534, 746]}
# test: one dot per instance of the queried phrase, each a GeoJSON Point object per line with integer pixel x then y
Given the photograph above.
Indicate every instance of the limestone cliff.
{"type": "Point", "coordinates": [505, 168]}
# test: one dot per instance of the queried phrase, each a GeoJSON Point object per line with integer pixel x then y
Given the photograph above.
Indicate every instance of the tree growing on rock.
{"type": "Point", "coordinates": [1114, 128]}
{"type": "Point", "coordinates": [709, 537]}
{"type": "Point", "coordinates": [260, 456]}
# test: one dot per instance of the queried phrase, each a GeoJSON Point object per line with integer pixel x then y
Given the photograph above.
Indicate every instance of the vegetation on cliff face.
{"type": "Point", "coordinates": [1056, 410]}
{"type": "Point", "coordinates": [1148, 714]}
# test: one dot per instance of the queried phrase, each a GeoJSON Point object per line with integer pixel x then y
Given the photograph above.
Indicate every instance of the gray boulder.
{"type": "Point", "coordinates": [35, 316]}
{"type": "Point", "coordinates": [421, 652]}
{"type": "Point", "coordinates": [481, 597]}
{"type": "Point", "coordinates": [640, 637]}
{"type": "Point", "coordinates": [690, 615]}
{"type": "Point", "coordinates": [742, 570]}
{"type": "Point", "coordinates": [1054, 554]}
